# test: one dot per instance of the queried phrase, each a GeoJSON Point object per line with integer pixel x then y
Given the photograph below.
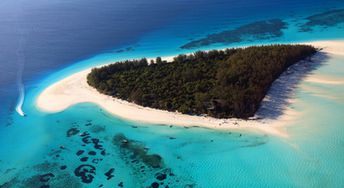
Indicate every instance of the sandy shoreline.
{"type": "Point", "coordinates": [74, 89]}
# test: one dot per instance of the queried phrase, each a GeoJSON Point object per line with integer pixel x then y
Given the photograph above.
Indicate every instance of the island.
{"type": "Point", "coordinates": [228, 83]}
{"type": "Point", "coordinates": [73, 89]}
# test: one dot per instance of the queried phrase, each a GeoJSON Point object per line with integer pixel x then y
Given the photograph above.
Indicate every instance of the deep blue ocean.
{"type": "Point", "coordinates": [41, 41]}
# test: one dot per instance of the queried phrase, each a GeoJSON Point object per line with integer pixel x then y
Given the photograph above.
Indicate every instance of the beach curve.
{"type": "Point", "coordinates": [74, 89]}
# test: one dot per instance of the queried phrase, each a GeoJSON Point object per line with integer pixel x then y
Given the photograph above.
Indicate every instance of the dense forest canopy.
{"type": "Point", "coordinates": [219, 83]}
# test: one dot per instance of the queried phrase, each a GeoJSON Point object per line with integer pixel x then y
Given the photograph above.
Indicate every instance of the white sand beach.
{"type": "Point", "coordinates": [74, 89]}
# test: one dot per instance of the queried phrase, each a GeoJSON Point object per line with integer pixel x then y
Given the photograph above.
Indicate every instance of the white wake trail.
{"type": "Point", "coordinates": [21, 63]}
{"type": "Point", "coordinates": [21, 90]}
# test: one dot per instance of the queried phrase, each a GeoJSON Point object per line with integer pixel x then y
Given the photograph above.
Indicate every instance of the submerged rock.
{"type": "Point", "coordinates": [154, 160]}
{"type": "Point", "coordinates": [325, 19]}
{"type": "Point", "coordinates": [80, 152]}
{"type": "Point", "coordinates": [138, 151]}
{"type": "Point", "coordinates": [103, 152]}
{"type": "Point", "coordinates": [120, 184]}
{"type": "Point", "coordinates": [86, 139]}
{"type": "Point", "coordinates": [84, 134]}
{"type": "Point", "coordinates": [109, 174]}
{"type": "Point", "coordinates": [155, 185]}
{"type": "Point", "coordinates": [85, 172]}
{"type": "Point", "coordinates": [46, 177]}
{"type": "Point", "coordinates": [265, 29]}
{"type": "Point", "coordinates": [160, 176]}
{"type": "Point", "coordinates": [72, 132]}
{"type": "Point", "coordinates": [83, 159]}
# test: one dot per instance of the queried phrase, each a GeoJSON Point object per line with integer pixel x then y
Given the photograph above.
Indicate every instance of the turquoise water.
{"type": "Point", "coordinates": [313, 155]}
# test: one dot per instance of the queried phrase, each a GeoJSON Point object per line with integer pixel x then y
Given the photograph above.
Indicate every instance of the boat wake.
{"type": "Point", "coordinates": [20, 85]}
{"type": "Point", "coordinates": [21, 96]}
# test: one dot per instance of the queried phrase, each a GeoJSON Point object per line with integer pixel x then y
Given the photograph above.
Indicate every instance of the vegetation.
{"type": "Point", "coordinates": [229, 83]}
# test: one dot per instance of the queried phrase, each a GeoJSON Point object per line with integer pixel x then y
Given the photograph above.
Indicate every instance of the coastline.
{"type": "Point", "coordinates": [74, 89]}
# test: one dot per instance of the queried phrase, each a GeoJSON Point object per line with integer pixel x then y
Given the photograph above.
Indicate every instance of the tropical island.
{"type": "Point", "coordinates": [218, 83]}
{"type": "Point", "coordinates": [274, 114]}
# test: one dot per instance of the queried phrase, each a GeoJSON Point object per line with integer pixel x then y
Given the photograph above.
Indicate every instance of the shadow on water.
{"type": "Point", "coordinates": [282, 89]}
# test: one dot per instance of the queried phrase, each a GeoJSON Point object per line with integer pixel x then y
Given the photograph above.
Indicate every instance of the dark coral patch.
{"type": "Point", "coordinates": [160, 176]}
{"type": "Point", "coordinates": [96, 142]}
{"type": "Point", "coordinates": [83, 159]}
{"type": "Point", "coordinates": [63, 167]}
{"type": "Point", "coordinates": [84, 134]}
{"type": "Point", "coordinates": [80, 152]}
{"type": "Point", "coordinates": [120, 184]}
{"type": "Point", "coordinates": [103, 152]}
{"type": "Point", "coordinates": [72, 132]}
{"type": "Point", "coordinates": [109, 174]}
{"type": "Point", "coordinates": [92, 153]}
{"type": "Point", "coordinates": [258, 30]}
{"type": "Point", "coordinates": [325, 19]}
{"type": "Point", "coordinates": [46, 177]}
{"type": "Point", "coordinates": [154, 160]}
{"type": "Point", "coordinates": [138, 151]}
{"type": "Point", "coordinates": [86, 139]}
{"type": "Point", "coordinates": [155, 185]}
{"type": "Point", "coordinates": [85, 172]}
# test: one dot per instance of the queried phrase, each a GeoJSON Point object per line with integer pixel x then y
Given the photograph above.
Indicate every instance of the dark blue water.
{"type": "Point", "coordinates": [42, 36]}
